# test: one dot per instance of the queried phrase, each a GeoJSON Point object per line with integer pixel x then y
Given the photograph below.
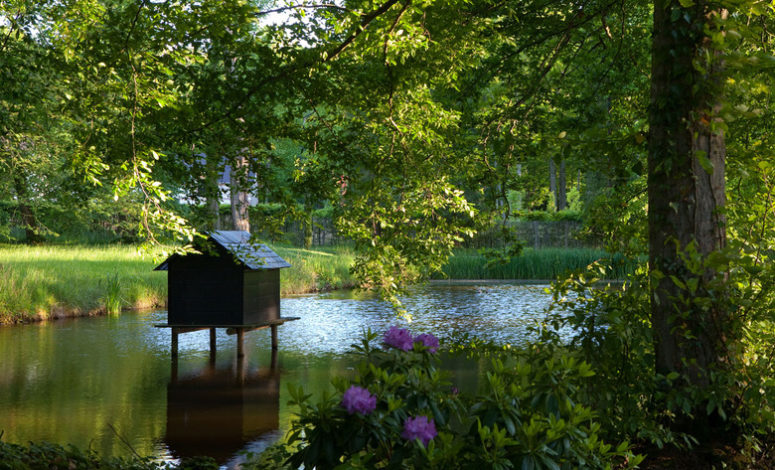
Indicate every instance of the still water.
{"type": "Point", "coordinates": [107, 383]}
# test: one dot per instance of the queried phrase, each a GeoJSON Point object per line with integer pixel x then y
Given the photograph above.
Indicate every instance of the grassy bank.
{"type": "Point", "coordinates": [39, 282]}
{"type": "Point", "coordinates": [546, 263]}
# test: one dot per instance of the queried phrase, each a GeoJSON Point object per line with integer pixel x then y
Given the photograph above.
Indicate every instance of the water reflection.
{"type": "Point", "coordinates": [217, 411]}
{"type": "Point", "coordinates": [106, 383]}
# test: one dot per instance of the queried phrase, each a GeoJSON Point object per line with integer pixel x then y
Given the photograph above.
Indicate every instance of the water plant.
{"type": "Point", "coordinates": [113, 300]}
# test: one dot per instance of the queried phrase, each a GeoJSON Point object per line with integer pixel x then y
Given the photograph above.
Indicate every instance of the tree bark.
{"type": "Point", "coordinates": [685, 193]}
{"type": "Point", "coordinates": [240, 201]}
{"type": "Point", "coordinates": [553, 181]}
{"type": "Point", "coordinates": [562, 199]}
{"type": "Point", "coordinates": [213, 192]}
{"type": "Point", "coordinates": [29, 221]}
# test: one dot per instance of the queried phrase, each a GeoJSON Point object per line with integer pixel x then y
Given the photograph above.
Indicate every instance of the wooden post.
{"type": "Point", "coordinates": [212, 345]}
{"type": "Point", "coordinates": [240, 342]}
{"type": "Point", "coordinates": [174, 352]}
{"type": "Point", "coordinates": [274, 337]}
{"type": "Point", "coordinates": [273, 361]}
{"type": "Point", "coordinates": [174, 356]}
{"type": "Point", "coordinates": [242, 368]}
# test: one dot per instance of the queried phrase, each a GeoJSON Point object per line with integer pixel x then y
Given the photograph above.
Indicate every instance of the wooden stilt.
{"type": "Point", "coordinates": [274, 337]}
{"type": "Point", "coordinates": [174, 352]}
{"type": "Point", "coordinates": [242, 368]}
{"type": "Point", "coordinates": [273, 362]}
{"type": "Point", "coordinates": [174, 355]}
{"type": "Point", "coordinates": [240, 342]}
{"type": "Point", "coordinates": [212, 345]}
{"type": "Point", "coordinates": [174, 370]}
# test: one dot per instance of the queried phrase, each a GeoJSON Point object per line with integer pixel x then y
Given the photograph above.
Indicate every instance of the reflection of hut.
{"type": "Point", "coordinates": [233, 282]}
{"type": "Point", "coordinates": [218, 412]}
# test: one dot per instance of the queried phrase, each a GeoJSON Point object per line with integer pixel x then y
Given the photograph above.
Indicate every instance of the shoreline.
{"type": "Point", "coordinates": [62, 313]}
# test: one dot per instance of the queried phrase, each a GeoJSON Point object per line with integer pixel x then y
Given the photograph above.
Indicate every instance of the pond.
{"type": "Point", "coordinates": [107, 383]}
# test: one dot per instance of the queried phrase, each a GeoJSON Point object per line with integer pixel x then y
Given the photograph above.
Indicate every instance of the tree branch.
{"type": "Point", "coordinates": [296, 7]}
{"type": "Point", "coordinates": [365, 22]}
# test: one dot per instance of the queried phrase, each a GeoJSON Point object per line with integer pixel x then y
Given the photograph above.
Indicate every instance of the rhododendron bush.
{"type": "Point", "coordinates": [400, 410]}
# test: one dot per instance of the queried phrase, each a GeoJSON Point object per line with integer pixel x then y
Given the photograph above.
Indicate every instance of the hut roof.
{"type": "Point", "coordinates": [255, 256]}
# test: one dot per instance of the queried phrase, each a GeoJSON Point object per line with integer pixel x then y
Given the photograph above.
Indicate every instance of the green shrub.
{"type": "Point", "coordinates": [527, 415]}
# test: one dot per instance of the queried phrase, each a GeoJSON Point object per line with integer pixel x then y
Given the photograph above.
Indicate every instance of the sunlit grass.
{"type": "Point", "coordinates": [323, 268]}
{"type": "Point", "coordinates": [42, 281]}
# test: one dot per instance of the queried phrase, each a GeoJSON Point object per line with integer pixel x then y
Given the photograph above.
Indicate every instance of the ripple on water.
{"type": "Point", "coordinates": [330, 323]}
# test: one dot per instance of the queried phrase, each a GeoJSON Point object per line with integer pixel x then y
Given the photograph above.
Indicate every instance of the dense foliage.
{"type": "Point", "coordinates": [401, 411]}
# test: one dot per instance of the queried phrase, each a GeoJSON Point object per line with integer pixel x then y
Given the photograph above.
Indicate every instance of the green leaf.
{"type": "Point", "coordinates": [702, 158]}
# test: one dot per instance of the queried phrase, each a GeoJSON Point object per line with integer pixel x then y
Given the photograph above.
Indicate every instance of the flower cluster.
{"type": "Point", "coordinates": [358, 399]}
{"type": "Point", "coordinates": [398, 338]}
{"type": "Point", "coordinates": [428, 340]}
{"type": "Point", "coordinates": [401, 338]}
{"type": "Point", "coordinates": [419, 428]}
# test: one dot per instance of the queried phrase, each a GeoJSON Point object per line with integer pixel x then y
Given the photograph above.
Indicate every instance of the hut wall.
{"type": "Point", "coordinates": [261, 291]}
{"type": "Point", "coordinates": [205, 290]}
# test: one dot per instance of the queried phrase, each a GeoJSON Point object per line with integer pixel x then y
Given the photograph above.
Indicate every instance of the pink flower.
{"type": "Point", "coordinates": [398, 338]}
{"type": "Point", "coordinates": [358, 399]}
{"type": "Point", "coordinates": [428, 340]}
{"type": "Point", "coordinates": [419, 428]}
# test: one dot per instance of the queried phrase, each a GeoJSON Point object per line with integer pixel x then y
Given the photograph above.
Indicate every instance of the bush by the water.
{"type": "Point", "coordinates": [400, 411]}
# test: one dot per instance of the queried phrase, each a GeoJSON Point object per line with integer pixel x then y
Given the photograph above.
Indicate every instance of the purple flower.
{"type": "Point", "coordinates": [419, 428]}
{"type": "Point", "coordinates": [428, 340]}
{"type": "Point", "coordinates": [358, 399]}
{"type": "Point", "coordinates": [399, 338]}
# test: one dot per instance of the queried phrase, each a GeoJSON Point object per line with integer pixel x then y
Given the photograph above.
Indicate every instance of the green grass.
{"type": "Point", "coordinates": [52, 280]}
{"type": "Point", "coordinates": [547, 263]}
{"type": "Point", "coordinates": [316, 269]}
{"type": "Point", "coordinates": [62, 280]}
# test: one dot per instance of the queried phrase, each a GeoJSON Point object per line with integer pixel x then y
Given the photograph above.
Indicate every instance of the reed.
{"type": "Point", "coordinates": [547, 264]}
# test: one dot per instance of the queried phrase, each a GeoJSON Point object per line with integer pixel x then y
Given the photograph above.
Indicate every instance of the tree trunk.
{"type": "Point", "coordinates": [240, 201]}
{"type": "Point", "coordinates": [213, 192]}
{"type": "Point", "coordinates": [562, 200]}
{"type": "Point", "coordinates": [553, 181]}
{"type": "Point", "coordinates": [685, 194]}
{"type": "Point", "coordinates": [29, 221]}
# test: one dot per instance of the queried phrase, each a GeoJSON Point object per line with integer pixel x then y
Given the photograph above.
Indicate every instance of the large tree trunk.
{"type": "Point", "coordinates": [240, 201]}
{"type": "Point", "coordinates": [29, 221]}
{"type": "Point", "coordinates": [562, 199]}
{"type": "Point", "coordinates": [213, 192]}
{"type": "Point", "coordinates": [685, 194]}
{"type": "Point", "coordinates": [553, 181]}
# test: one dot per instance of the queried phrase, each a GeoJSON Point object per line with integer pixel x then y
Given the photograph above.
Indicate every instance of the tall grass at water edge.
{"type": "Point", "coordinates": [63, 280]}
{"type": "Point", "coordinates": [546, 263]}
{"type": "Point", "coordinates": [316, 269]}
{"type": "Point", "coordinates": [54, 280]}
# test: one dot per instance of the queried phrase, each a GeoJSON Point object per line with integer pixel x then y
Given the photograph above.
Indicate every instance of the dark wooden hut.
{"type": "Point", "coordinates": [232, 282]}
